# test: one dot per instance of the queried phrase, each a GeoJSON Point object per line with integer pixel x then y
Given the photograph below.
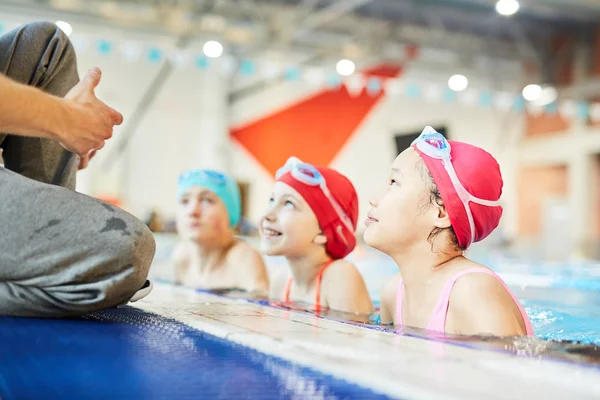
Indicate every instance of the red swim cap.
{"type": "Point", "coordinates": [479, 173]}
{"type": "Point", "coordinates": [340, 241]}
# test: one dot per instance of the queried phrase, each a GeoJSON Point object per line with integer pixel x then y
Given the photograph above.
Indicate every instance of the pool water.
{"type": "Point", "coordinates": [555, 320]}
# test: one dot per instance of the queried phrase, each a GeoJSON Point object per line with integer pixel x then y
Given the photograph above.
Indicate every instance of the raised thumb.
{"type": "Point", "coordinates": [92, 78]}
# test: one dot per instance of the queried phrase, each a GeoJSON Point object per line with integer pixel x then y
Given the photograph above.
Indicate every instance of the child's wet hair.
{"type": "Point", "coordinates": [435, 198]}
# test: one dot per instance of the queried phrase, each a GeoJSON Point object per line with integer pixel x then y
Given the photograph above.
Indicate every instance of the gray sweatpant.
{"type": "Point", "coordinates": [61, 253]}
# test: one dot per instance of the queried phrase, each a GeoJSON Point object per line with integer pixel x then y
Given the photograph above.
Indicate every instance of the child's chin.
{"type": "Point", "coordinates": [370, 238]}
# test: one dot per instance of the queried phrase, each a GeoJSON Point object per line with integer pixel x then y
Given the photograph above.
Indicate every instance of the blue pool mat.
{"type": "Point", "coordinates": [127, 353]}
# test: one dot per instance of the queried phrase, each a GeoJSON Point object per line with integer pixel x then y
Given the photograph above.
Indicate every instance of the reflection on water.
{"type": "Point", "coordinates": [571, 351]}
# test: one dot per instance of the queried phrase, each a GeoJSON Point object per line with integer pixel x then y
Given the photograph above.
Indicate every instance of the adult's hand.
{"type": "Point", "coordinates": [85, 160]}
{"type": "Point", "coordinates": [89, 122]}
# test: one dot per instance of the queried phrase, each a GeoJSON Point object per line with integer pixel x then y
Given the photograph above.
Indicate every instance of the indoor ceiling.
{"type": "Point", "coordinates": [365, 30]}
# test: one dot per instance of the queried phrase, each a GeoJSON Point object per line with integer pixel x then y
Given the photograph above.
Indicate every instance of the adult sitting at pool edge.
{"type": "Point", "coordinates": [61, 253]}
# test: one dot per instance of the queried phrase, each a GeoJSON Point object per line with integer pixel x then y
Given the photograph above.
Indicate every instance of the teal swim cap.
{"type": "Point", "coordinates": [223, 185]}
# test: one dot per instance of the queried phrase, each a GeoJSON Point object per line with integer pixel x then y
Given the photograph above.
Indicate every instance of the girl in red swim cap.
{"type": "Point", "coordinates": [311, 221]}
{"type": "Point", "coordinates": [442, 196]}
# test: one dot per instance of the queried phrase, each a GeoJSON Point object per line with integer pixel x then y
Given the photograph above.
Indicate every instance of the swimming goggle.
{"type": "Point", "coordinates": [434, 145]}
{"type": "Point", "coordinates": [214, 177]}
{"type": "Point", "coordinates": [309, 175]}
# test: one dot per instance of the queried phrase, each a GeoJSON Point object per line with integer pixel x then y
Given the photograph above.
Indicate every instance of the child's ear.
{"type": "Point", "coordinates": [443, 219]}
{"type": "Point", "coordinates": [320, 239]}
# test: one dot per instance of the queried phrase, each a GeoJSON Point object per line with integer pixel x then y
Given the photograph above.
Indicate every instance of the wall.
{"type": "Point", "coordinates": [185, 128]}
{"type": "Point", "coordinates": [535, 185]}
{"type": "Point", "coordinates": [545, 124]}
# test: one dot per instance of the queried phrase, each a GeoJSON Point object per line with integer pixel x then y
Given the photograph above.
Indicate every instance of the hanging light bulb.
{"type": "Point", "coordinates": [345, 67]}
{"type": "Point", "coordinates": [507, 7]}
{"type": "Point", "coordinates": [532, 92]}
{"type": "Point", "coordinates": [212, 49]}
{"type": "Point", "coordinates": [458, 82]}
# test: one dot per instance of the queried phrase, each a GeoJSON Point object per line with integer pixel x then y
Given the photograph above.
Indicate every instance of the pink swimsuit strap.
{"type": "Point", "coordinates": [437, 322]}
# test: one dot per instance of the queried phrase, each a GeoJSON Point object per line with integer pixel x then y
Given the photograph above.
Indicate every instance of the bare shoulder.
{"type": "Point", "coordinates": [248, 262]}
{"type": "Point", "coordinates": [388, 299]}
{"type": "Point", "coordinates": [345, 288]}
{"type": "Point", "coordinates": [181, 260]}
{"type": "Point", "coordinates": [242, 255]}
{"type": "Point", "coordinates": [342, 269]}
{"type": "Point", "coordinates": [239, 250]}
{"type": "Point", "coordinates": [390, 288]}
{"type": "Point", "coordinates": [481, 304]}
{"type": "Point", "coordinates": [481, 284]}
{"type": "Point", "coordinates": [181, 251]}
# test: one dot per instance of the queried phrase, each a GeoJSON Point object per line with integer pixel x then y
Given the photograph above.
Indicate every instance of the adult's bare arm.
{"type": "Point", "coordinates": [80, 122]}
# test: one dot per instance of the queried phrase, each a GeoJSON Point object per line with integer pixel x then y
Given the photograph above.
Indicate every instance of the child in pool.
{"type": "Point", "coordinates": [210, 256]}
{"type": "Point", "coordinates": [442, 196]}
{"type": "Point", "coordinates": [311, 221]}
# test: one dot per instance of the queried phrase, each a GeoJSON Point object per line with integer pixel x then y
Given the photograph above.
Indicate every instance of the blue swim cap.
{"type": "Point", "coordinates": [223, 185]}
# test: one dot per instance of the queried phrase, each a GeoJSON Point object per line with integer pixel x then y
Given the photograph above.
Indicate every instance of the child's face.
{"type": "Point", "coordinates": [201, 215]}
{"type": "Point", "coordinates": [289, 225]}
{"type": "Point", "coordinates": [402, 215]}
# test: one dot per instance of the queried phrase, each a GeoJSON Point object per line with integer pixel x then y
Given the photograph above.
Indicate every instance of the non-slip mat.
{"type": "Point", "coordinates": [129, 353]}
